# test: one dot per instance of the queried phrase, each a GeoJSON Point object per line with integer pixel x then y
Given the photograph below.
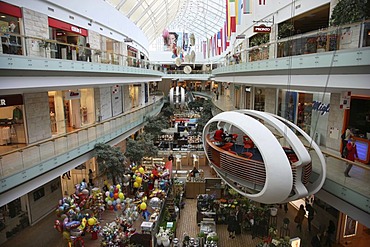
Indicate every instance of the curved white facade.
{"type": "Point", "coordinates": [284, 180]}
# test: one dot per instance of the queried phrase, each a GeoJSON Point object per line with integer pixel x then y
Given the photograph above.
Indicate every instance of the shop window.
{"type": "Point", "coordinates": [10, 40]}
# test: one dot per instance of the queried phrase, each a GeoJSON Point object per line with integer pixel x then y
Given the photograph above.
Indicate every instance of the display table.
{"type": "Point", "coordinates": [147, 227]}
{"type": "Point", "coordinates": [193, 189]}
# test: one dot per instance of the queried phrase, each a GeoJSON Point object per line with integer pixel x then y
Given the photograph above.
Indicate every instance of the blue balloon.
{"type": "Point", "coordinates": [111, 195]}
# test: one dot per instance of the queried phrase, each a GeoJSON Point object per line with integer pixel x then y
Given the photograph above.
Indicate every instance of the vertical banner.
{"type": "Point", "coordinates": [247, 6]}
{"type": "Point", "coordinates": [225, 37]}
{"type": "Point", "coordinates": [204, 49]}
{"type": "Point", "coordinates": [227, 19]}
{"type": "Point", "coordinates": [232, 17]}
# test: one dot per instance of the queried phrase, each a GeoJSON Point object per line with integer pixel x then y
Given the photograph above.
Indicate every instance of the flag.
{"type": "Point", "coordinates": [204, 49]}
{"type": "Point", "coordinates": [225, 36]}
{"type": "Point", "coordinates": [262, 2]}
{"type": "Point", "coordinates": [232, 17]}
{"type": "Point", "coordinates": [238, 11]}
{"type": "Point", "coordinates": [219, 43]}
{"type": "Point", "coordinates": [227, 19]}
{"type": "Point", "coordinates": [247, 7]}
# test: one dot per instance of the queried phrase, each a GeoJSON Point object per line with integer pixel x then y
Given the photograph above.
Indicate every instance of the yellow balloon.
{"type": "Point", "coordinates": [141, 170]}
{"type": "Point", "coordinates": [91, 221]}
{"type": "Point", "coordinates": [118, 186]}
{"type": "Point", "coordinates": [136, 185]}
{"type": "Point", "coordinates": [139, 180]}
{"type": "Point", "coordinates": [121, 195]}
{"type": "Point", "coordinates": [143, 206]}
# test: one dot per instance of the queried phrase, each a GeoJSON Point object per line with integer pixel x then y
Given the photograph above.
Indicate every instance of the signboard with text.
{"type": "Point", "coordinates": [261, 29]}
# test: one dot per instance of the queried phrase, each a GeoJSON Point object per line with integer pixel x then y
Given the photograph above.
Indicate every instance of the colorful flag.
{"type": "Point", "coordinates": [247, 7]}
{"type": "Point", "coordinates": [225, 35]}
{"type": "Point", "coordinates": [232, 19]}
{"type": "Point", "coordinates": [219, 43]}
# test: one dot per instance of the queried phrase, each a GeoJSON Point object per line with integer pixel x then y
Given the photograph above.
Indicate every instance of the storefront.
{"type": "Point", "coordinates": [10, 29]}
{"type": "Point", "coordinates": [113, 50]}
{"type": "Point", "coordinates": [66, 34]}
{"type": "Point", "coordinates": [132, 56]}
{"type": "Point", "coordinates": [358, 118]}
{"type": "Point", "coordinates": [71, 109]}
{"type": "Point", "coordinates": [12, 128]}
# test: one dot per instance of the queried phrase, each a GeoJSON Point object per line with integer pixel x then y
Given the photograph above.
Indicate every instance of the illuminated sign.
{"type": "Point", "coordinates": [261, 29]}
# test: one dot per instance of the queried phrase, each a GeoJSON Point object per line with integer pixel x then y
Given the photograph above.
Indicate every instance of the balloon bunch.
{"type": "Point", "coordinates": [112, 235]}
{"type": "Point", "coordinates": [70, 230]}
{"type": "Point", "coordinates": [89, 224]}
{"type": "Point", "coordinates": [114, 197]}
{"type": "Point", "coordinates": [96, 202]}
{"type": "Point", "coordinates": [130, 213]}
{"type": "Point", "coordinates": [138, 176]}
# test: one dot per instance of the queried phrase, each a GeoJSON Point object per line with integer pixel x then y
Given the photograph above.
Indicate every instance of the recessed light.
{"type": "Point", "coordinates": [3, 16]}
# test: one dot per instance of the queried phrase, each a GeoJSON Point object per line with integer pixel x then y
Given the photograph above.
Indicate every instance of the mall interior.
{"type": "Point", "coordinates": [154, 79]}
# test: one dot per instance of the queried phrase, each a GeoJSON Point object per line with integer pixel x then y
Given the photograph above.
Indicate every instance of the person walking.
{"type": "Point", "coordinates": [330, 233]}
{"type": "Point", "coordinates": [232, 224]}
{"type": "Point", "coordinates": [346, 136]}
{"type": "Point", "coordinates": [300, 217]}
{"type": "Point", "coordinates": [311, 212]}
{"type": "Point", "coordinates": [91, 177]}
{"type": "Point", "coordinates": [351, 155]}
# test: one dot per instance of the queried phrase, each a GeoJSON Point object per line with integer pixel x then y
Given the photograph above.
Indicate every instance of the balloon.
{"type": "Point", "coordinates": [106, 199]}
{"type": "Point", "coordinates": [107, 193]}
{"type": "Point", "coordinates": [115, 195]}
{"type": "Point", "coordinates": [110, 203]}
{"type": "Point", "coordinates": [136, 185]}
{"type": "Point", "coordinates": [119, 207]}
{"type": "Point", "coordinates": [91, 221]}
{"type": "Point", "coordinates": [143, 206]}
{"type": "Point", "coordinates": [121, 195]}
{"type": "Point", "coordinates": [139, 180]}
{"type": "Point", "coordinates": [118, 201]}
{"type": "Point", "coordinates": [116, 190]}
{"type": "Point", "coordinates": [118, 186]}
{"type": "Point", "coordinates": [141, 170]}
{"type": "Point", "coordinates": [111, 194]}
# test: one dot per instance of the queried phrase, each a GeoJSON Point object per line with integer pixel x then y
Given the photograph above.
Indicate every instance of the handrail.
{"type": "Point", "coordinates": [46, 47]}
{"type": "Point", "coordinates": [366, 167]}
{"type": "Point", "coordinates": [310, 42]}
{"type": "Point", "coordinates": [24, 158]}
{"type": "Point", "coordinates": [75, 131]}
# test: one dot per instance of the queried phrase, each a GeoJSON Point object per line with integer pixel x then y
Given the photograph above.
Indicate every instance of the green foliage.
{"type": "Point", "coordinates": [285, 30]}
{"type": "Point", "coordinates": [349, 11]}
{"type": "Point", "coordinates": [142, 146]}
{"type": "Point", "coordinates": [111, 161]}
{"type": "Point", "coordinates": [167, 110]}
{"type": "Point", "coordinates": [205, 115]}
{"type": "Point", "coordinates": [155, 125]}
{"type": "Point", "coordinates": [259, 39]}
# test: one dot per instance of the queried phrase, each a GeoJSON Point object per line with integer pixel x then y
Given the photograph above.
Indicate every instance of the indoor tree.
{"type": "Point", "coordinates": [349, 11]}
{"type": "Point", "coordinates": [142, 146]}
{"type": "Point", "coordinates": [111, 161]}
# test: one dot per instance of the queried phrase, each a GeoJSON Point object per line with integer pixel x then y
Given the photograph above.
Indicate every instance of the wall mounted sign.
{"type": "Point", "coordinates": [9, 100]}
{"type": "Point", "coordinates": [261, 29]}
{"type": "Point", "coordinates": [67, 27]}
{"type": "Point", "coordinates": [72, 95]}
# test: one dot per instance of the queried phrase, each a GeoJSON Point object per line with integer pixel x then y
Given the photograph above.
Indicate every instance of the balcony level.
{"type": "Point", "coordinates": [25, 169]}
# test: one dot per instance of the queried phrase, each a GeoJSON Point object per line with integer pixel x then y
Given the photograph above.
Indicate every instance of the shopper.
{"type": "Point", "coordinates": [311, 212]}
{"type": "Point", "coordinates": [351, 155]}
{"type": "Point", "coordinates": [219, 135]}
{"type": "Point", "coordinates": [232, 224]}
{"type": "Point", "coordinates": [91, 177]}
{"type": "Point", "coordinates": [239, 220]}
{"type": "Point", "coordinates": [330, 233]}
{"type": "Point", "coordinates": [88, 53]}
{"type": "Point", "coordinates": [345, 138]}
{"type": "Point", "coordinates": [316, 240]}
{"type": "Point", "coordinates": [300, 217]}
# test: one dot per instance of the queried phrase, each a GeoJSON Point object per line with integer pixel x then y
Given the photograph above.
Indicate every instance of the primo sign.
{"type": "Point", "coordinates": [261, 29]}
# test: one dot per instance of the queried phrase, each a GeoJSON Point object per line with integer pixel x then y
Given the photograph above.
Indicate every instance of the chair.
{"type": "Point", "coordinates": [178, 162]}
{"type": "Point", "coordinates": [248, 143]}
{"type": "Point", "coordinates": [196, 161]}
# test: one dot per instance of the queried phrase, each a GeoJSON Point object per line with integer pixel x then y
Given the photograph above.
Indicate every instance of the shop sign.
{"type": "Point", "coordinates": [9, 9]}
{"type": "Point", "coordinates": [320, 107]}
{"type": "Point", "coordinates": [9, 100]}
{"type": "Point", "coordinates": [72, 95]}
{"type": "Point", "coordinates": [240, 36]}
{"type": "Point", "coordinates": [66, 27]}
{"type": "Point", "coordinates": [261, 29]}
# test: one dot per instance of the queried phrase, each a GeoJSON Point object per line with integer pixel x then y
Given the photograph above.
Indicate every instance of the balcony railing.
{"type": "Point", "coordinates": [16, 44]}
{"type": "Point", "coordinates": [323, 40]}
{"type": "Point", "coordinates": [30, 161]}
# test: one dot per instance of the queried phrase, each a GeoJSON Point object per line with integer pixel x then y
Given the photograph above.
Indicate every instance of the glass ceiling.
{"type": "Point", "coordinates": [204, 18]}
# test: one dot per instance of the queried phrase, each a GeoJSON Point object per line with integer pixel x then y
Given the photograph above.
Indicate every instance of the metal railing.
{"type": "Point", "coordinates": [16, 44]}
{"type": "Point", "coordinates": [323, 40]}
{"type": "Point", "coordinates": [19, 160]}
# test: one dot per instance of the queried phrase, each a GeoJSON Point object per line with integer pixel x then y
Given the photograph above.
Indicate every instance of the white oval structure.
{"type": "Point", "coordinates": [177, 96]}
{"type": "Point", "coordinates": [263, 157]}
